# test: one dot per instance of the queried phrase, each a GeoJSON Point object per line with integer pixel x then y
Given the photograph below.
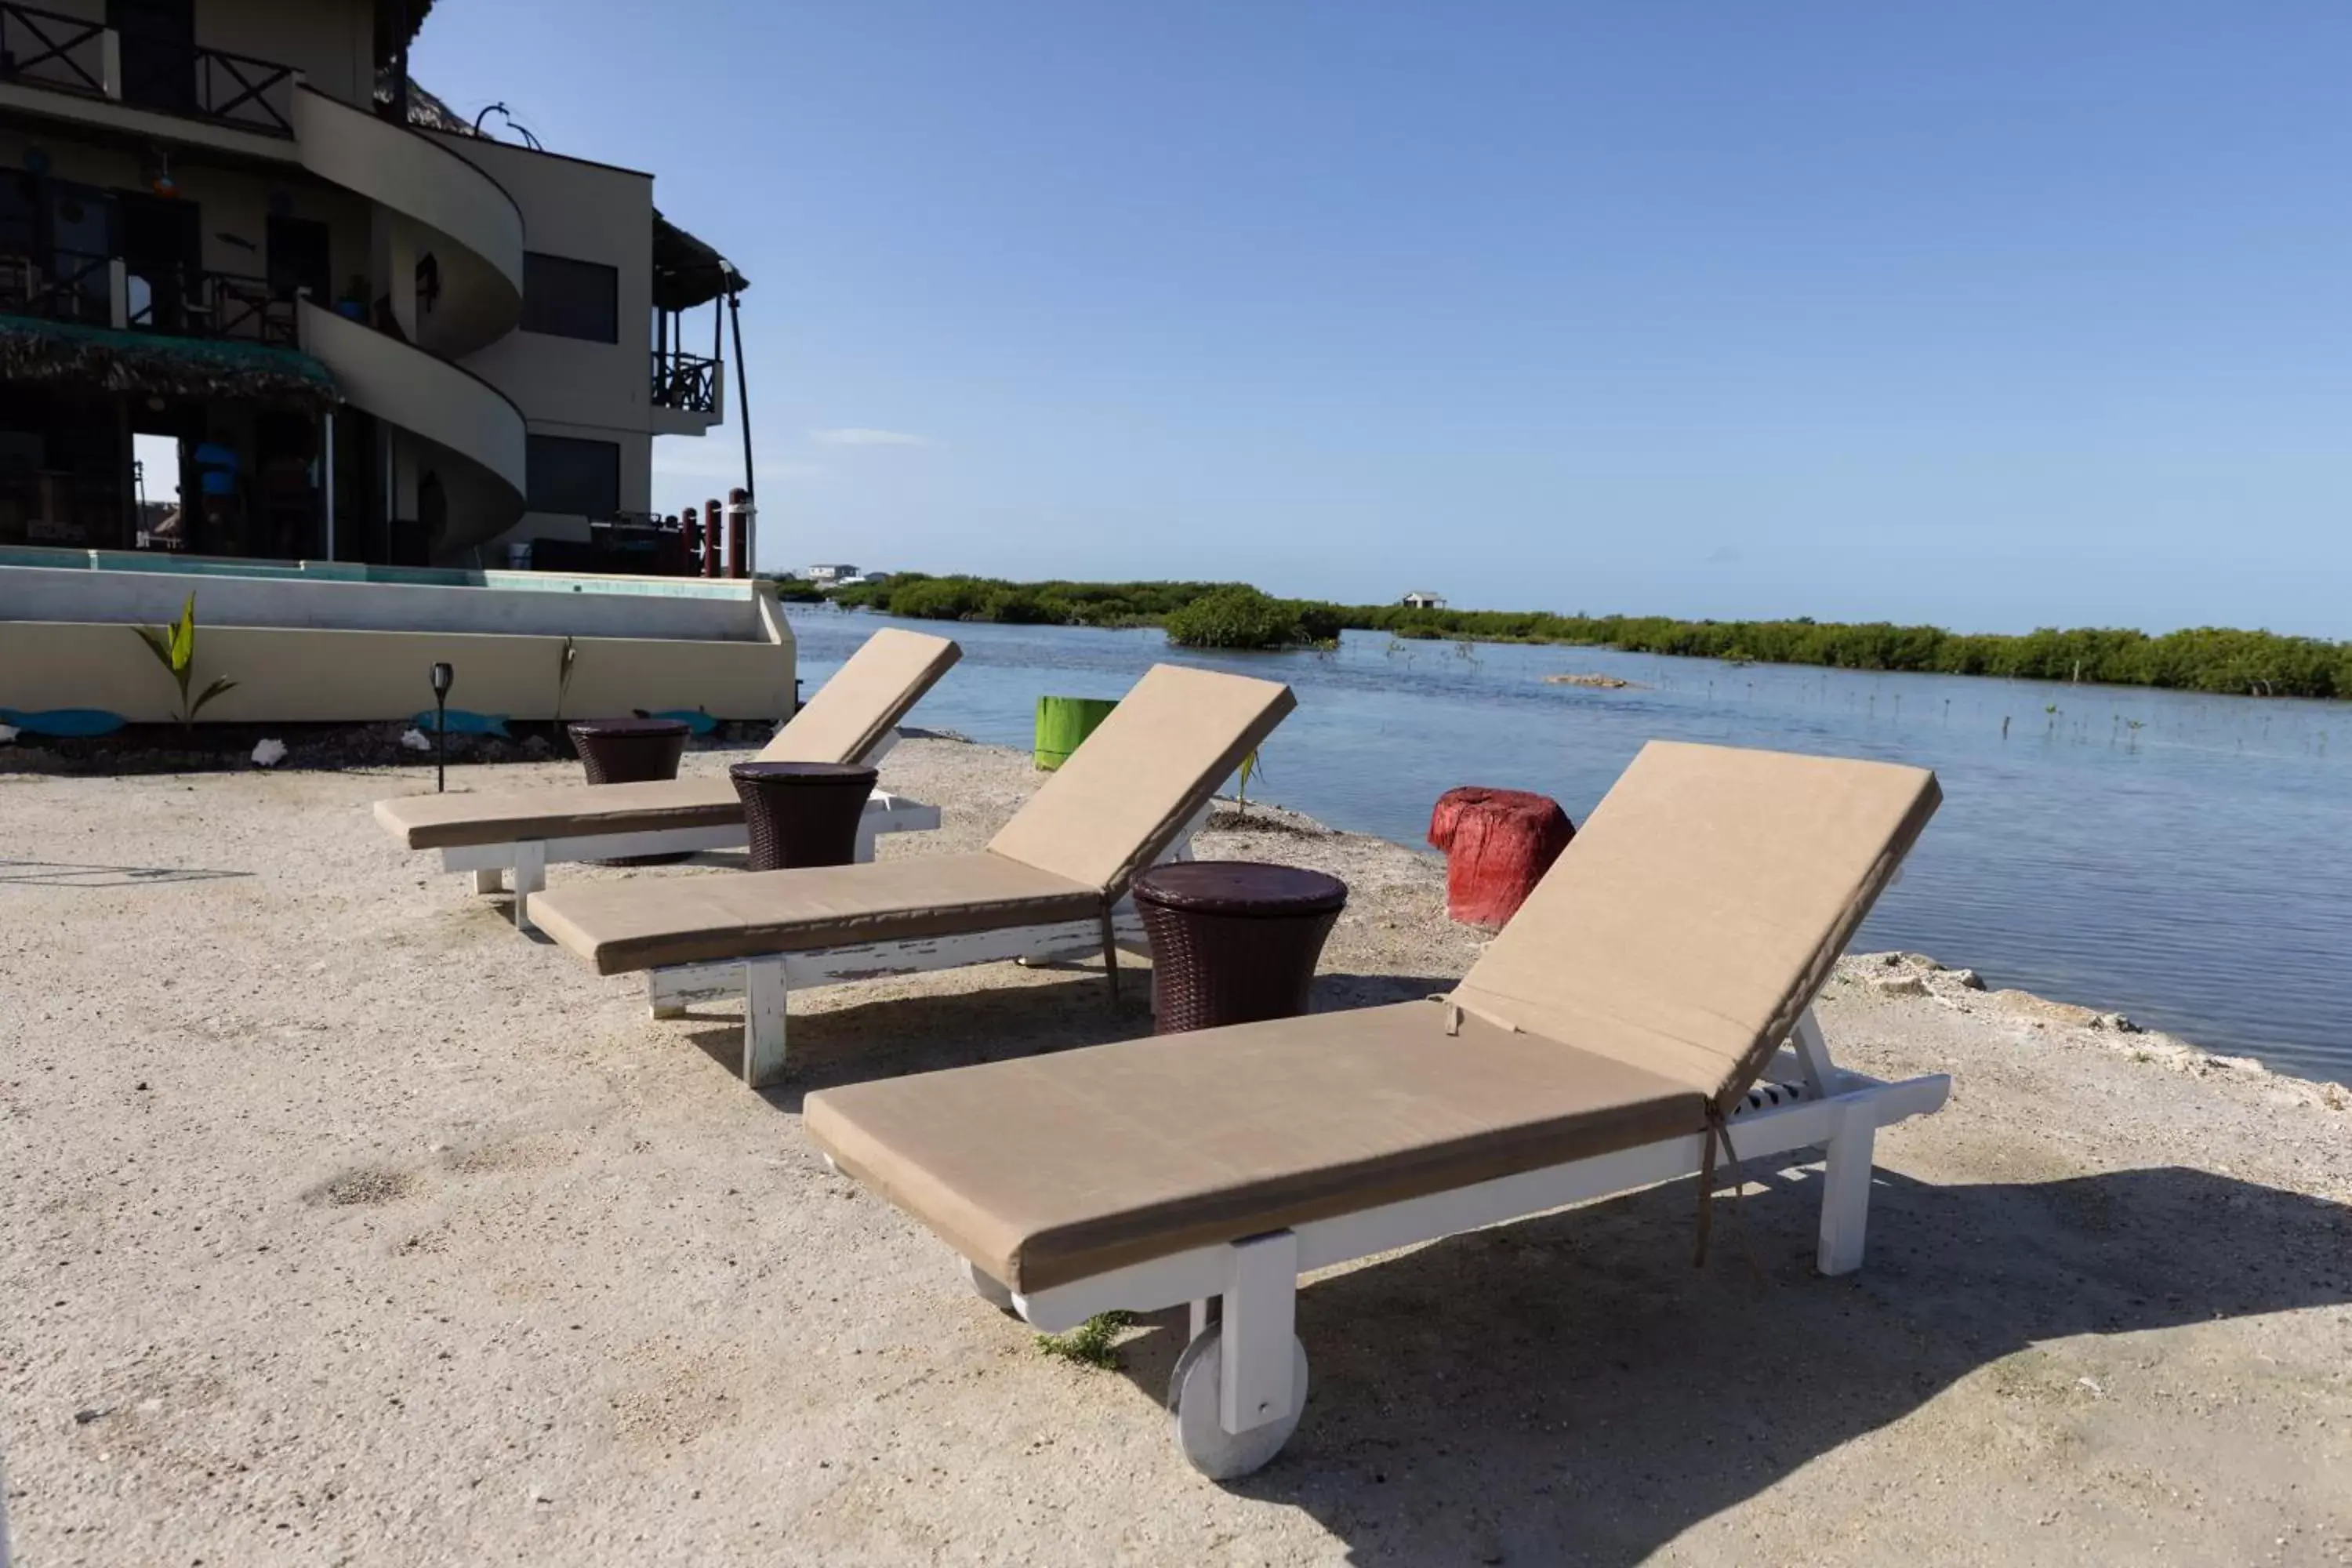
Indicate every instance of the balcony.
{"type": "Point", "coordinates": [108, 291]}
{"type": "Point", "coordinates": [47, 49]}
{"type": "Point", "coordinates": [688, 394]}
{"type": "Point", "coordinates": [136, 84]}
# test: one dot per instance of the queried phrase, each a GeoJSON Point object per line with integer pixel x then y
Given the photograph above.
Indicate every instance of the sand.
{"type": "Point", "coordinates": [344, 1226]}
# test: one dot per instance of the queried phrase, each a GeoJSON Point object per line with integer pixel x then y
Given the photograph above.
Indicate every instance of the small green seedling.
{"type": "Point", "coordinates": [1251, 768]}
{"type": "Point", "coordinates": [1092, 1344]}
{"type": "Point", "coordinates": [564, 660]}
{"type": "Point", "coordinates": [174, 647]}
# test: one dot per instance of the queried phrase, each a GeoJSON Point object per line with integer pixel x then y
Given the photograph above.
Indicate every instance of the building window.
{"type": "Point", "coordinates": [572, 477]}
{"type": "Point", "coordinates": [568, 298]}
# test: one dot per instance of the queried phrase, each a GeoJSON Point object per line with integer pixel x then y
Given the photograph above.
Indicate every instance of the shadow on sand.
{"type": "Point", "coordinates": [66, 874]}
{"type": "Point", "coordinates": [1567, 1390]}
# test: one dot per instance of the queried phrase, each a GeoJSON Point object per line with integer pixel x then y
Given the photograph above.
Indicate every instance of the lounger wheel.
{"type": "Point", "coordinates": [989, 1288]}
{"type": "Point", "coordinates": [1207, 1447]}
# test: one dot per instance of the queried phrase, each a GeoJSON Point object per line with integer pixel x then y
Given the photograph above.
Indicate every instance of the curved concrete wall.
{"type": "Point", "coordinates": [415, 175]}
{"type": "Point", "coordinates": [429, 396]}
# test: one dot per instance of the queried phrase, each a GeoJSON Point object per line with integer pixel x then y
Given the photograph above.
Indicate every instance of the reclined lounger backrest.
{"type": "Point", "coordinates": [867, 697]}
{"type": "Point", "coordinates": [1700, 909]}
{"type": "Point", "coordinates": [1122, 797]}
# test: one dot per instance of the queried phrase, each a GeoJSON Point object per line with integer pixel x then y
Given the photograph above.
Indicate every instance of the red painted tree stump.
{"type": "Point", "coordinates": [1498, 843]}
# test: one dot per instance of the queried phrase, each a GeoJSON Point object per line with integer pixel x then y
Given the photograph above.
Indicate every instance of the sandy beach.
{"type": "Point", "coordinates": [344, 1226]}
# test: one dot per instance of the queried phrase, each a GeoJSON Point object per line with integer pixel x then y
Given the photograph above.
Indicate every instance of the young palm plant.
{"type": "Point", "coordinates": [1251, 768]}
{"type": "Point", "coordinates": [174, 647]}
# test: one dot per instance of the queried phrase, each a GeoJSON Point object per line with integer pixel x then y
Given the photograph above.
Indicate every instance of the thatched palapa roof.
{"type": "Point", "coordinates": [98, 359]}
{"type": "Point", "coordinates": [688, 272]}
{"type": "Point", "coordinates": [397, 22]}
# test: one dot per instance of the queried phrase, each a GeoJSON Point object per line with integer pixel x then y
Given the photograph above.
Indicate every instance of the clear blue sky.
{"type": "Point", "coordinates": [1991, 315]}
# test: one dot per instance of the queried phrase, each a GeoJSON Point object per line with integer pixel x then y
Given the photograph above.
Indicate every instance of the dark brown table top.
{"type": "Point", "coordinates": [1240, 887]}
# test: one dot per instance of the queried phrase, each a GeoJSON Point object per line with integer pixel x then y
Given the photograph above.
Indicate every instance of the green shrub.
{"type": "Point", "coordinates": [1235, 617]}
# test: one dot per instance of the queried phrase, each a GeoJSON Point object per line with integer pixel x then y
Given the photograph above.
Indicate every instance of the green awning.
{"type": "Point", "coordinates": [156, 365]}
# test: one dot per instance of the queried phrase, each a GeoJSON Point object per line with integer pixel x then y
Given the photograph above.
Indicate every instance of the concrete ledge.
{"type": "Point", "coordinates": [516, 602]}
{"type": "Point", "coordinates": [305, 674]}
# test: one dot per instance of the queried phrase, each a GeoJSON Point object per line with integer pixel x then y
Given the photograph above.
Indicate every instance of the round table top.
{"type": "Point", "coordinates": [804, 772]}
{"type": "Point", "coordinates": [626, 729]}
{"type": "Point", "coordinates": [1240, 887]}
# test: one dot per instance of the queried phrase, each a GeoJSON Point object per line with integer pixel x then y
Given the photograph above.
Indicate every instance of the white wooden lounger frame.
{"type": "Point", "coordinates": [1241, 1384]}
{"type": "Point", "coordinates": [763, 982]}
{"type": "Point", "coordinates": [528, 858]}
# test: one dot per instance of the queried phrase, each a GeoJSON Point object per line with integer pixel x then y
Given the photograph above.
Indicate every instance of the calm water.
{"type": "Point", "coordinates": [2184, 859]}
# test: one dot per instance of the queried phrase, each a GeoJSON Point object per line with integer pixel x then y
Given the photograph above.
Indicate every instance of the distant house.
{"type": "Point", "coordinates": [1417, 600]}
{"type": "Point", "coordinates": [831, 576]}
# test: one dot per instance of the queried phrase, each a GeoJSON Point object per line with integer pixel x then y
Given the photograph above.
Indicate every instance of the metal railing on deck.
{"type": "Point", "coordinates": [208, 84]}
{"type": "Point", "coordinates": [181, 301]}
{"type": "Point", "coordinates": [685, 382]}
{"type": "Point", "coordinates": [146, 72]}
{"type": "Point", "coordinates": [52, 50]}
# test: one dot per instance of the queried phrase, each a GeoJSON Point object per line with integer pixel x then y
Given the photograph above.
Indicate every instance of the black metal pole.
{"type": "Point", "coordinates": [445, 677]}
{"type": "Point", "coordinates": [744, 414]}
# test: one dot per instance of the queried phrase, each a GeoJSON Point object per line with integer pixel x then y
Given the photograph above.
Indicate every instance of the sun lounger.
{"type": "Point", "coordinates": [1649, 1004]}
{"type": "Point", "coordinates": [1052, 883]}
{"type": "Point", "coordinates": [853, 719]}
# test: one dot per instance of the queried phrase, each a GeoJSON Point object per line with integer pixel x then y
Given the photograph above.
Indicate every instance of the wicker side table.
{"type": "Point", "coordinates": [1234, 942]}
{"type": "Point", "coordinates": [802, 814]}
{"type": "Point", "coordinates": [630, 750]}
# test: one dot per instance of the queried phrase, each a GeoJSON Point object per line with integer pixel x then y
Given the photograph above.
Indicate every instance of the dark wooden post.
{"type": "Point", "coordinates": [710, 539]}
{"type": "Point", "coordinates": [739, 533]}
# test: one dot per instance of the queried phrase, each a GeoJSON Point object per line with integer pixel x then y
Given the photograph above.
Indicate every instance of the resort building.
{"type": "Point", "coordinates": [278, 329]}
{"type": "Point", "coordinates": [1418, 600]}
{"type": "Point", "coordinates": [261, 298]}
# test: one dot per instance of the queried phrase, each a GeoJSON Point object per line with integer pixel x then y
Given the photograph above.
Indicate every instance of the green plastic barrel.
{"type": "Point", "coordinates": [1063, 723]}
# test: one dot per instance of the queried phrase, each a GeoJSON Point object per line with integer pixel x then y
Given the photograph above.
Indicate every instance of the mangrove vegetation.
{"type": "Point", "coordinates": [1236, 616]}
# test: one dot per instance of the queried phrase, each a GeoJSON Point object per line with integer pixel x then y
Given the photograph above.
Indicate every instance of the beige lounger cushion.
{"type": "Point", "coordinates": [874, 688]}
{"type": "Point", "coordinates": [1121, 798]}
{"type": "Point", "coordinates": [867, 697]}
{"type": "Point", "coordinates": [559, 811]}
{"type": "Point", "coordinates": [649, 921]}
{"type": "Point", "coordinates": [1049, 1169]}
{"type": "Point", "coordinates": [1664, 955]}
{"type": "Point", "coordinates": [1183, 732]}
{"type": "Point", "coordinates": [1701, 906]}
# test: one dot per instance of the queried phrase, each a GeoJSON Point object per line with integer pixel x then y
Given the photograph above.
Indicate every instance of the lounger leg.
{"type": "Point", "coordinates": [764, 1022]}
{"type": "Point", "coordinates": [988, 1288]}
{"type": "Point", "coordinates": [1241, 1385]}
{"type": "Point", "coordinates": [1261, 1310]}
{"type": "Point", "coordinates": [1110, 959]}
{"type": "Point", "coordinates": [489, 880]}
{"type": "Point", "coordinates": [530, 877]}
{"type": "Point", "coordinates": [1845, 1191]}
{"type": "Point", "coordinates": [660, 1000]}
